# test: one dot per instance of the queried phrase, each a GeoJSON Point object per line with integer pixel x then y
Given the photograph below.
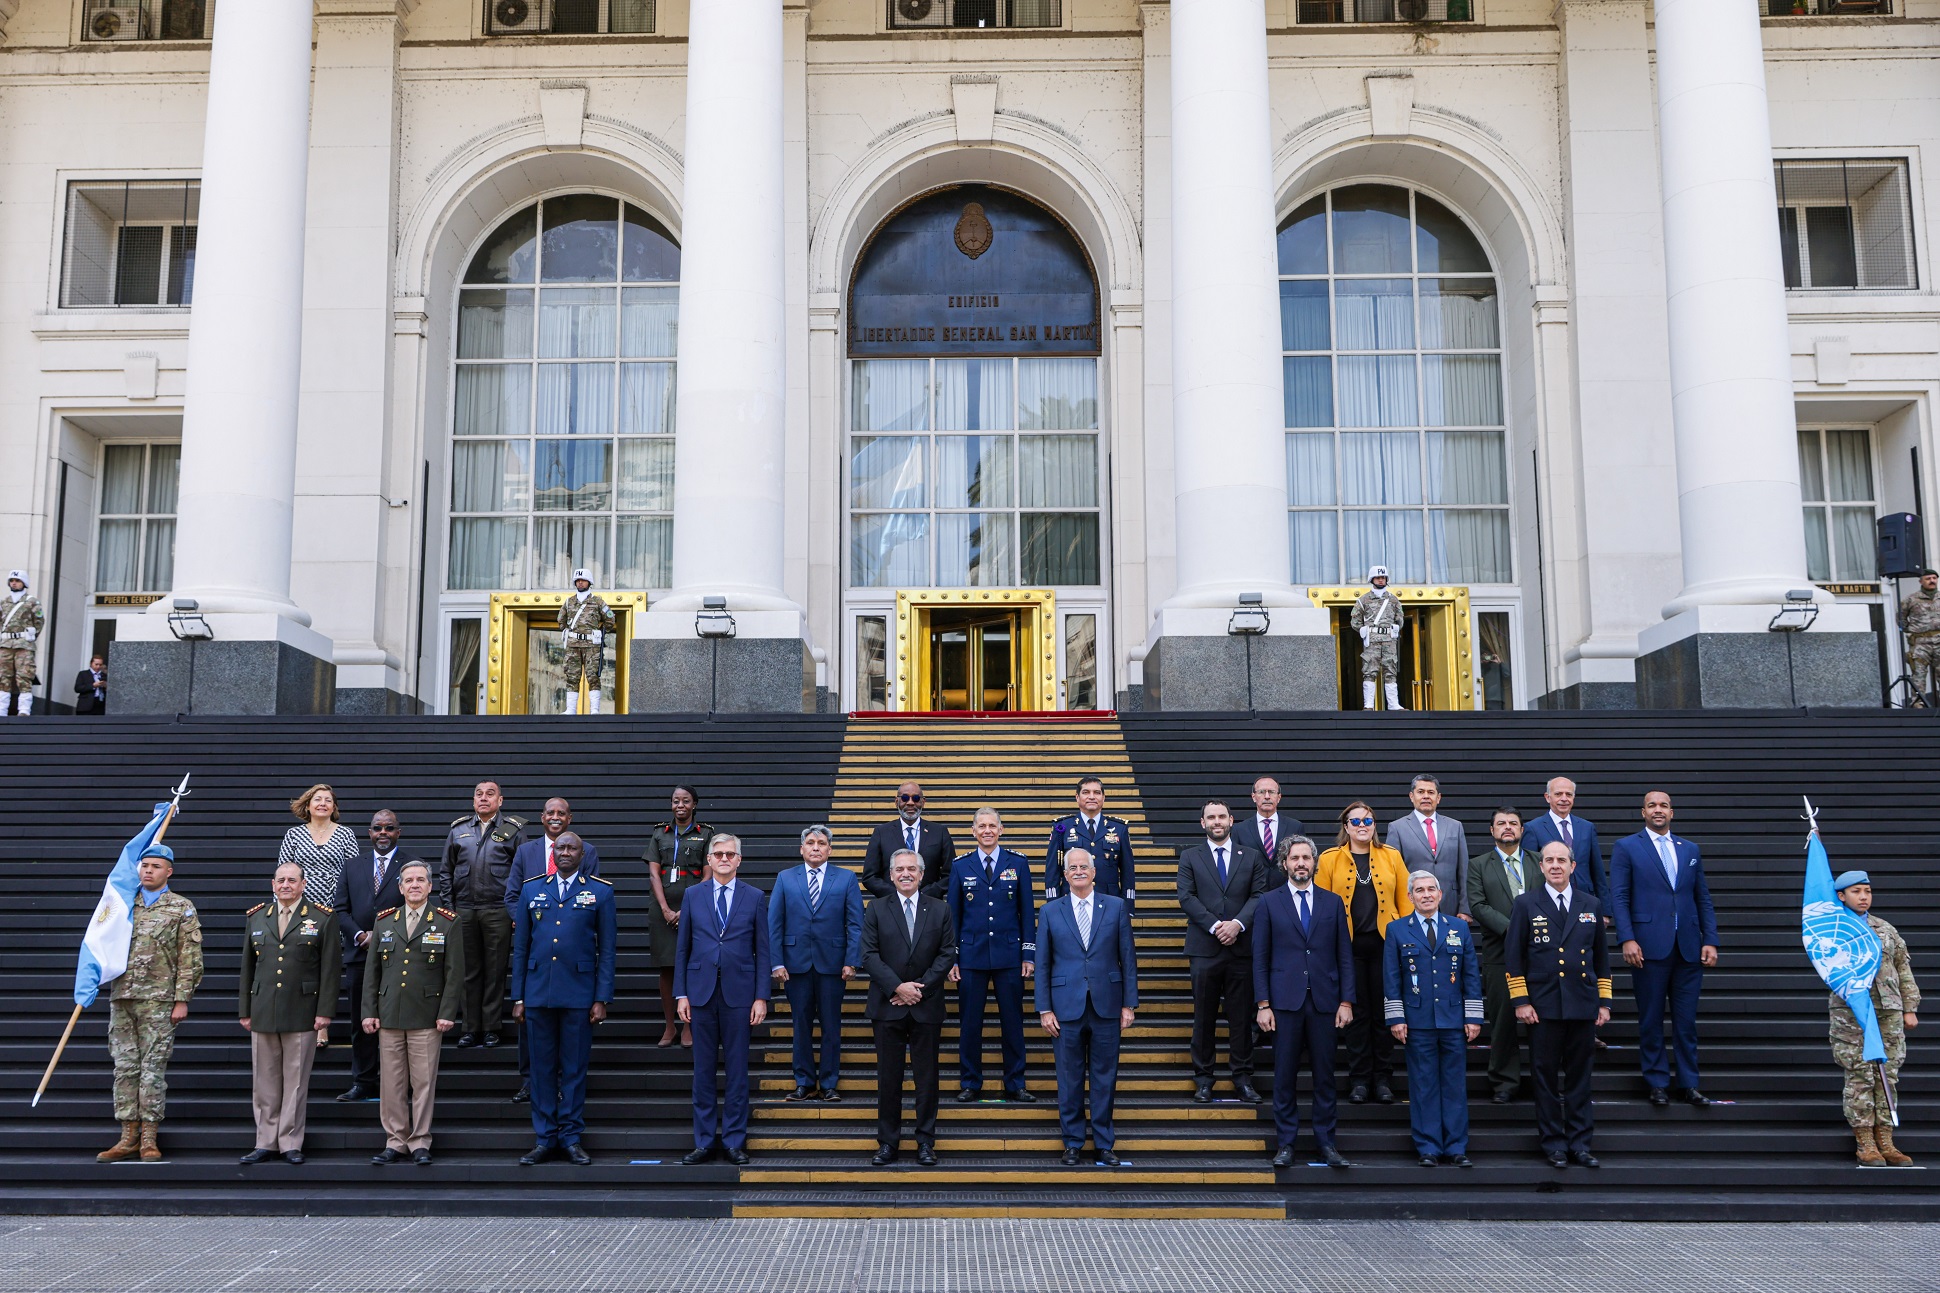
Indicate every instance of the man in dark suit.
{"type": "Point", "coordinates": [1496, 879]}
{"type": "Point", "coordinates": [1559, 980]}
{"type": "Point", "coordinates": [908, 947]}
{"type": "Point", "coordinates": [1262, 829]}
{"type": "Point", "coordinates": [911, 830]}
{"type": "Point", "coordinates": [533, 859]}
{"type": "Point", "coordinates": [1430, 841]}
{"type": "Point", "coordinates": [1669, 931]}
{"type": "Point", "coordinates": [721, 962]}
{"type": "Point", "coordinates": [1562, 823]}
{"type": "Point", "coordinates": [1107, 839]}
{"type": "Point", "coordinates": [815, 933]}
{"type": "Point", "coordinates": [1303, 983]}
{"type": "Point", "coordinates": [1220, 883]}
{"type": "Point", "coordinates": [1085, 999]}
{"type": "Point", "coordinates": [91, 688]}
{"type": "Point", "coordinates": [364, 888]}
{"type": "Point", "coordinates": [996, 924]}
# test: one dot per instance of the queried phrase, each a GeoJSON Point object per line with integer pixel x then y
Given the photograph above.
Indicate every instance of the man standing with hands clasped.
{"type": "Point", "coordinates": [288, 993]}
{"type": "Point", "coordinates": [1219, 887]}
{"type": "Point", "coordinates": [1433, 991]}
{"type": "Point", "coordinates": [908, 947]}
{"type": "Point", "coordinates": [411, 1014]}
{"type": "Point", "coordinates": [1085, 1000]}
{"type": "Point", "coordinates": [996, 924]}
{"type": "Point", "coordinates": [1303, 982]}
{"type": "Point", "coordinates": [721, 959]}
{"type": "Point", "coordinates": [1559, 983]}
{"type": "Point", "coordinates": [815, 934]}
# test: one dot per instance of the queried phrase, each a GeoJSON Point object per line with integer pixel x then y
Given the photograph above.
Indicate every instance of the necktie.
{"type": "Point", "coordinates": [1561, 905]}
{"type": "Point", "coordinates": [562, 888]}
{"type": "Point", "coordinates": [1219, 856]}
{"type": "Point", "coordinates": [989, 869]}
{"type": "Point", "coordinates": [282, 921]}
{"type": "Point", "coordinates": [1513, 865]}
{"type": "Point", "coordinates": [1084, 923]}
{"type": "Point", "coordinates": [1569, 835]}
{"type": "Point", "coordinates": [1431, 932]}
{"type": "Point", "coordinates": [721, 905]}
{"type": "Point", "coordinates": [814, 888]}
{"type": "Point", "coordinates": [410, 923]}
{"type": "Point", "coordinates": [1668, 857]}
{"type": "Point", "coordinates": [552, 868]}
{"type": "Point", "coordinates": [1306, 916]}
{"type": "Point", "coordinates": [1266, 835]}
{"type": "Point", "coordinates": [377, 872]}
{"type": "Point", "coordinates": [909, 919]}
{"type": "Point", "coordinates": [1429, 827]}
{"type": "Point", "coordinates": [909, 837]}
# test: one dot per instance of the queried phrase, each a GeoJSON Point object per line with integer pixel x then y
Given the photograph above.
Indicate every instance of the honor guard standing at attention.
{"type": "Point", "coordinates": [585, 621]}
{"type": "Point", "coordinates": [1871, 1092]}
{"type": "Point", "coordinates": [412, 991]}
{"type": "Point", "coordinates": [148, 1000]}
{"type": "Point", "coordinates": [1377, 618]}
{"type": "Point", "coordinates": [1919, 618]}
{"type": "Point", "coordinates": [286, 997]}
{"type": "Point", "coordinates": [996, 924]}
{"type": "Point", "coordinates": [1433, 990]}
{"type": "Point", "coordinates": [478, 858]}
{"type": "Point", "coordinates": [1107, 839]}
{"type": "Point", "coordinates": [21, 621]}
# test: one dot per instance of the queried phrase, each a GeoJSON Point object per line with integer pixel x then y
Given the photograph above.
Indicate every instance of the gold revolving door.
{"type": "Point", "coordinates": [1436, 648]}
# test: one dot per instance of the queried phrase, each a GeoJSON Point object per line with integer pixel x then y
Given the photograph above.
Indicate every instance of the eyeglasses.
{"type": "Point", "coordinates": [916, 798]}
{"type": "Point", "coordinates": [1360, 821]}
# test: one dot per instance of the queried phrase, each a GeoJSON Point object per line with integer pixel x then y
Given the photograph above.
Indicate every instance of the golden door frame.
{"type": "Point", "coordinates": [505, 650]}
{"type": "Point", "coordinates": [1038, 625]}
{"type": "Point", "coordinates": [1455, 630]}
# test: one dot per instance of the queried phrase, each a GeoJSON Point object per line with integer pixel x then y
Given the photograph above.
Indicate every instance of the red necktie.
{"type": "Point", "coordinates": [552, 868]}
{"type": "Point", "coordinates": [1429, 826]}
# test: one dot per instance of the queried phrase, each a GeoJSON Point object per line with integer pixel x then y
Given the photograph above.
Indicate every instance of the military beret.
{"type": "Point", "coordinates": [1847, 879]}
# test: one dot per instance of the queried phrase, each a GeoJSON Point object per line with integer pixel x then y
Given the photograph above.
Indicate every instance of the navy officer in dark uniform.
{"type": "Point", "coordinates": [996, 924]}
{"type": "Point", "coordinates": [1433, 990]}
{"type": "Point", "coordinates": [563, 943]}
{"type": "Point", "coordinates": [1107, 839]}
{"type": "Point", "coordinates": [1559, 984]}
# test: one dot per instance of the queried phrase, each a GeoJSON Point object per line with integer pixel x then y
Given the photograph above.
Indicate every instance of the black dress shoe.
{"type": "Point", "coordinates": [1557, 1160]}
{"type": "Point", "coordinates": [1584, 1158]}
{"type": "Point", "coordinates": [577, 1155]}
{"type": "Point", "coordinates": [523, 1095]}
{"type": "Point", "coordinates": [422, 1157]}
{"type": "Point", "coordinates": [699, 1156]}
{"type": "Point", "coordinates": [467, 1040]}
{"type": "Point", "coordinates": [1070, 1157]}
{"type": "Point", "coordinates": [798, 1094]}
{"type": "Point", "coordinates": [257, 1155]}
{"type": "Point", "coordinates": [1503, 1095]}
{"type": "Point", "coordinates": [830, 1095]}
{"type": "Point", "coordinates": [1107, 1159]}
{"type": "Point", "coordinates": [968, 1096]}
{"type": "Point", "coordinates": [1245, 1091]}
{"type": "Point", "coordinates": [1283, 1159]}
{"type": "Point", "coordinates": [1202, 1094]}
{"type": "Point", "coordinates": [1427, 1160]}
{"type": "Point", "coordinates": [293, 1156]}
{"type": "Point", "coordinates": [1333, 1156]}
{"type": "Point", "coordinates": [738, 1157]}
{"type": "Point", "coordinates": [1383, 1093]}
{"type": "Point", "coordinates": [1660, 1098]}
{"type": "Point", "coordinates": [1358, 1095]}
{"type": "Point", "coordinates": [536, 1155]}
{"type": "Point", "coordinates": [386, 1155]}
{"type": "Point", "coordinates": [1697, 1099]}
{"type": "Point", "coordinates": [357, 1094]}
{"type": "Point", "coordinates": [1602, 1045]}
{"type": "Point", "coordinates": [1019, 1096]}
{"type": "Point", "coordinates": [490, 1040]}
{"type": "Point", "coordinates": [1461, 1160]}
{"type": "Point", "coordinates": [884, 1156]}
{"type": "Point", "coordinates": [926, 1155]}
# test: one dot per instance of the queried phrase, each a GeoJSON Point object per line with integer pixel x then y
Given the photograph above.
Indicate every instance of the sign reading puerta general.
{"type": "Point", "coordinates": [973, 271]}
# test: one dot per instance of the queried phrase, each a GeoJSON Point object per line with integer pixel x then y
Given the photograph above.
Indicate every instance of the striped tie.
{"type": "Point", "coordinates": [815, 888]}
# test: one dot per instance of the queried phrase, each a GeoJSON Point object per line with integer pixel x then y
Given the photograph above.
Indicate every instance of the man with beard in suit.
{"type": "Point", "coordinates": [1220, 883]}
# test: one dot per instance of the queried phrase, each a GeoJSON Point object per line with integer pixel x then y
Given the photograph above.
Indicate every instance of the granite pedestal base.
{"type": "Point", "coordinates": [1237, 673]}
{"type": "Point", "coordinates": [1761, 671]}
{"type": "Point", "coordinates": [219, 677]}
{"type": "Point", "coordinates": [1591, 695]}
{"type": "Point", "coordinates": [721, 675]}
{"type": "Point", "coordinates": [376, 702]}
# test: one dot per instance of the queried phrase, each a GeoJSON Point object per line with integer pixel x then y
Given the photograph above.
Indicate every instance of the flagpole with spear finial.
{"type": "Point", "coordinates": [1892, 1104]}
{"type": "Point", "coordinates": [75, 1018]}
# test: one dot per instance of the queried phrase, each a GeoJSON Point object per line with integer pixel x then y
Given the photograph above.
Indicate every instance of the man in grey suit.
{"type": "Point", "coordinates": [1497, 878]}
{"type": "Point", "coordinates": [1220, 883]}
{"type": "Point", "coordinates": [1432, 842]}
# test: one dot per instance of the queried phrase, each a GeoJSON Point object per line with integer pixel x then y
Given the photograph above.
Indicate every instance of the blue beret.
{"type": "Point", "coordinates": [161, 851]}
{"type": "Point", "coordinates": [1849, 878]}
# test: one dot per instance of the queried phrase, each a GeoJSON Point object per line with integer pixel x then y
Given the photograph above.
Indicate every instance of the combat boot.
{"type": "Point", "coordinates": [151, 1151]}
{"type": "Point", "coordinates": [1367, 695]}
{"type": "Point", "coordinates": [127, 1147]}
{"type": "Point", "coordinates": [1869, 1155]}
{"type": "Point", "coordinates": [1394, 696]}
{"type": "Point", "coordinates": [1883, 1137]}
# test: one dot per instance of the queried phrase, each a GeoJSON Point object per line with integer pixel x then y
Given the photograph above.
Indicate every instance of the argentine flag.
{"type": "Point", "coordinates": [104, 950]}
{"type": "Point", "coordinates": [1843, 947]}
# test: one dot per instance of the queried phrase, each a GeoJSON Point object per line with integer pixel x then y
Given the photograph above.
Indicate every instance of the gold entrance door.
{"type": "Point", "coordinates": [976, 650]}
{"type": "Point", "coordinates": [526, 657]}
{"type": "Point", "coordinates": [1435, 652]}
{"type": "Point", "coordinates": [973, 660]}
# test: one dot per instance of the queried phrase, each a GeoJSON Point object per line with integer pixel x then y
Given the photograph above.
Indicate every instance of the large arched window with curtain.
{"type": "Point", "coordinates": [563, 400]}
{"type": "Point", "coordinates": [1393, 387]}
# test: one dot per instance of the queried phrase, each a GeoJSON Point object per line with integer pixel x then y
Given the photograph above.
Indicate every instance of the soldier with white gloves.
{"type": "Point", "coordinates": [21, 621]}
{"type": "Point", "coordinates": [585, 621]}
{"type": "Point", "coordinates": [1377, 618]}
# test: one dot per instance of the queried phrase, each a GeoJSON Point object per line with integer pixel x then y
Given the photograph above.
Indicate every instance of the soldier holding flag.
{"type": "Point", "coordinates": [1872, 1088]}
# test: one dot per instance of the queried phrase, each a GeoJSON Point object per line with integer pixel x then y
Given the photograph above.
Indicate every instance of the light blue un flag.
{"type": "Point", "coordinates": [104, 949]}
{"type": "Point", "coordinates": [1843, 947]}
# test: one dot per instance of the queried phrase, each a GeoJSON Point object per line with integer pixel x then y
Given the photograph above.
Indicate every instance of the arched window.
{"type": "Point", "coordinates": [1393, 382]}
{"type": "Point", "coordinates": [563, 408]}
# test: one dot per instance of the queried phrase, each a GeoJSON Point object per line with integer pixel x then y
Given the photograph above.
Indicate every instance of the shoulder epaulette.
{"type": "Point", "coordinates": [600, 880]}
{"type": "Point", "coordinates": [447, 913]}
{"type": "Point", "coordinates": [258, 907]}
{"type": "Point", "coordinates": [664, 826]}
{"type": "Point", "coordinates": [325, 908]}
{"type": "Point", "coordinates": [385, 914]}
{"type": "Point", "coordinates": [460, 821]}
{"type": "Point", "coordinates": [517, 823]}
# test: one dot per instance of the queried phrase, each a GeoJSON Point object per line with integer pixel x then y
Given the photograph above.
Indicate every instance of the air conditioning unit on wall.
{"type": "Point", "coordinates": [119, 22]}
{"type": "Point", "coordinates": [518, 17]}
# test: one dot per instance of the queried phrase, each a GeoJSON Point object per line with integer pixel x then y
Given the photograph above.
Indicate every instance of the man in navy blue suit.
{"type": "Point", "coordinates": [1303, 983]}
{"type": "Point", "coordinates": [815, 932]}
{"type": "Point", "coordinates": [996, 923]}
{"type": "Point", "coordinates": [1669, 932]}
{"type": "Point", "coordinates": [564, 934]}
{"type": "Point", "coordinates": [1085, 999]}
{"type": "Point", "coordinates": [720, 989]}
{"type": "Point", "coordinates": [534, 858]}
{"type": "Point", "coordinates": [1562, 824]}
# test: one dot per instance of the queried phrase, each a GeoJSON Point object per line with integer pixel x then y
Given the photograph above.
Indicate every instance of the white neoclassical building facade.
{"type": "Point", "coordinates": [966, 354]}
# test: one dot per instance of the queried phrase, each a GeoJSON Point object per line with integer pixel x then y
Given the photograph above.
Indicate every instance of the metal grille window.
{"type": "Point", "coordinates": [1325, 11]}
{"type": "Point", "coordinates": [568, 17]}
{"type": "Point", "coordinates": [921, 14]}
{"type": "Point", "coordinates": [135, 542]}
{"type": "Point", "coordinates": [1845, 224]}
{"type": "Point", "coordinates": [1393, 390]}
{"type": "Point", "coordinates": [1824, 8]}
{"type": "Point", "coordinates": [118, 20]}
{"type": "Point", "coordinates": [130, 242]}
{"type": "Point", "coordinates": [1836, 482]}
{"type": "Point", "coordinates": [563, 407]}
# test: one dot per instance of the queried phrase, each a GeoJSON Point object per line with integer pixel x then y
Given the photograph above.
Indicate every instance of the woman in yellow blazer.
{"type": "Point", "coordinates": [1372, 881]}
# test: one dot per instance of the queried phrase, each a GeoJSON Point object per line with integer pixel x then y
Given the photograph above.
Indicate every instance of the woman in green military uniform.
{"type": "Point", "coordinates": [676, 857]}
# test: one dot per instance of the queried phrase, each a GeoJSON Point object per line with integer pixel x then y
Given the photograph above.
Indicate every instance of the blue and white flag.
{"type": "Point", "coordinates": [104, 949]}
{"type": "Point", "coordinates": [1843, 947]}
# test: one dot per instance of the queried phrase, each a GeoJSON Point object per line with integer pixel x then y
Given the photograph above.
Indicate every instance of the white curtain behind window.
{"type": "Point", "coordinates": [1466, 467]}
{"type": "Point", "coordinates": [562, 544]}
{"type": "Point", "coordinates": [973, 395]}
{"type": "Point", "coordinates": [1462, 390]}
{"type": "Point", "coordinates": [889, 550]}
{"type": "Point", "coordinates": [1386, 538]}
{"type": "Point", "coordinates": [1380, 467]}
{"type": "Point", "coordinates": [1315, 545]}
{"type": "Point", "coordinates": [1468, 546]}
{"type": "Point", "coordinates": [494, 399]}
{"type": "Point", "coordinates": [1057, 471]}
{"type": "Point", "coordinates": [1057, 394]}
{"type": "Point", "coordinates": [1310, 469]}
{"type": "Point", "coordinates": [1849, 465]}
{"type": "Point", "coordinates": [974, 549]}
{"type": "Point", "coordinates": [575, 399]}
{"type": "Point", "coordinates": [118, 552]}
{"type": "Point", "coordinates": [891, 395]}
{"type": "Point", "coordinates": [1377, 391]}
{"type": "Point", "coordinates": [487, 553]}
{"type": "Point", "coordinates": [158, 554]}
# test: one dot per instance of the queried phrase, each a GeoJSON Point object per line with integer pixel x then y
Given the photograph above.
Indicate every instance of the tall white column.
{"type": "Point", "coordinates": [1731, 388]}
{"type": "Point", "coordinates": [729, 438]}
{"type": "Point", "coordinates": [1229, 445]}
{"type": "Point", "coordinates": [232, 544]}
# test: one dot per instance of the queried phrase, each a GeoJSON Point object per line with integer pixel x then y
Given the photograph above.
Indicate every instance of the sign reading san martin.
{"type": "Point", "coordinates": [973, 270]}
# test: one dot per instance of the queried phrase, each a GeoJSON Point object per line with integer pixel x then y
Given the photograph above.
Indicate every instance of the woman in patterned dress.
{"type": "Point", "coordinates": [321, 845]}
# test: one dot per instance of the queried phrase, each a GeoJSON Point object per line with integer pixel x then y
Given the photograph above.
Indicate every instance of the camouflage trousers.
{"type": "Point", "coordinates": [1379, 659]}
{"type": "Point", "coordinates": [1865, 1096]}
{"type": "Point", "coordinates": [1923, 662]}
{"type": "Point", "coordinates": [16, 669]}
{"type": "Point", "coordinates": [587, 658]}
{"type": "Point", "coordinates": [141, 1037]}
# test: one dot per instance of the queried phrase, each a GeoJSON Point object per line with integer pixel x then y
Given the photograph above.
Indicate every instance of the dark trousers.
{"type": "Point", "coordinates": [1087, 1053]}
{"type": "Point", "coordinates": [561, 1048]}
{"type": "Point", "coordinates": [1304, 1032]}
{"type": "Point", "coordinates": [816, 998]}
{"type": "Point", "coordinates": [918, 1042]}
{"type": "Point", "coordinates": [1009, 987]}
{"type": "Point", "coordinates": [1560, 1054]}
{"type": "Point", "coordinates": [1370, 1046]}
{"type": "Point", "coordinates": [721, 1034]}
{"type": "Point", "coordinates": [1437, 1061]}
{"type": "Point", "coordinates": [487, 932]}
{"type": "Point", "coordinates": [1222, 988]}
{"type": "Point", "coordinates": [363, 1045]}
{"type": "Point", "coordinates": [1675, 982]}
{"type": "Point", "coordinates": [1505, 1032]}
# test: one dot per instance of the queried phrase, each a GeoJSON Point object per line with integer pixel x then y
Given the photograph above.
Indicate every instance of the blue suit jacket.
{"type": "Point", "coordinates": [1645, 909]}
{"type": "Point", "coordinates": [996, 924]}
{"type": "Point", "coordinates": [562, 953]}
{"type": "Point", "coordinates": [1431, 987]}
{"type": "Point", "coordinates": [1292, 967]}
{"type": "Point", "coordinates": [733, 961]}
{"type": "Point", "coordinates": [530, 861]}
{"type": "Point", "coordinates": [823, 939]}
{"type": "Point", "coordinates": [1589, 855]}
{"type": "Point", "coordinates": [1069, 973]}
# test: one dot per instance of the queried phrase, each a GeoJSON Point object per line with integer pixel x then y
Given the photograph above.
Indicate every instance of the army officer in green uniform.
{"type": "Point", "coordinates": [676, 857]}
{"type": "Point", "coordinates": [287, 995]}
{"type": "Point", "coordinates": [412, 989]}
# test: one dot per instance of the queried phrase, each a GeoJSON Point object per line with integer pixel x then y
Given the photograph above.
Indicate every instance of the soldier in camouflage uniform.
{"type": "Point", "coordinates": [585, 621]}
{"type": "Point", "coordinates": [1896, 998]}
{"type": "Point", "coordinates": [1920, 620]}
{"type": "Point", "coordinates": [1377, 618]}
{"type": "Point", "coordinates": [21, 621]}
{"type": "Point", "coordinates": [148, 1000]}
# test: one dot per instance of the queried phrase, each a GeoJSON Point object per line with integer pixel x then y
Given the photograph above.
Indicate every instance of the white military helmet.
{"type": "Point", "coordinates": [582, 573]}
{"type": "Point", "coordinates": [1376, 572]}
{"type": "Point", "coordinates": [21, 575]}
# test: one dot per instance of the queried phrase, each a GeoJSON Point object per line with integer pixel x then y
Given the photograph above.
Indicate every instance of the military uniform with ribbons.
{"type": "Point", "coordinates": [415, 978]}
{"type": "Point", "coordinates": [472, 878]}
{"type": "Point", "coordinates": [1558, 962]}
{"type": "Point", "coordinates": [291, 964]}
{"type": "Point", "coordinates": [1432, 982]}
{"type": "Point", "coordinates": [1377, 618]}
{"type": "Point", "coordinates": [1108, 840]}
{"type": "Point", "coordinates": [584, 622]}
